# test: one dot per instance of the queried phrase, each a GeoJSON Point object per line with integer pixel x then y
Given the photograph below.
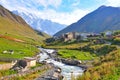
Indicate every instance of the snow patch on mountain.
{"type": "Point", "coordinates": [37, 23]}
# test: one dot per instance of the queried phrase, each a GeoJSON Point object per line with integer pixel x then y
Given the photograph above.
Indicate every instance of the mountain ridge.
{"type": "Point", "coordinates": [14, 26]}
{"type": "Point", "coordinates": [102, 19]}
{"type": "Point", "coordinates": [6, 13]}
{"type": "Point", "coordinates": [40, 24]}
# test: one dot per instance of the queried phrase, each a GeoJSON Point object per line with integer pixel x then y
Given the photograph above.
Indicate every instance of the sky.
{"type": "Point", "coordinates": [60, 11]}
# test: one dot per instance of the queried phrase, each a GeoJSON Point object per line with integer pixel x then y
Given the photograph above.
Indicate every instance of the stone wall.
{"type": "Point", "coordinates": [5, 66]}
{"type": "Point", "coordinates": [26, 72]}
{"type": "Point", "coordinates": [7, 59]}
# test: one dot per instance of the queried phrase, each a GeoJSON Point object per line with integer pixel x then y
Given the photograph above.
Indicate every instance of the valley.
{"type": "Point", "coordinates": [88, 49]}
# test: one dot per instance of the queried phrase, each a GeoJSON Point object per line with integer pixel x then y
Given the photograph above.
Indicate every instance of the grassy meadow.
{"type": "Point", "coordinates": [15, 30]}
{"type": "Point", "coordinates": [20, 49]}
{"type": "Point", "coordinates": [75, 54]}
{"type": "Point", "coordinates": [104, 68]}
{"type": "Point", "coordinates": [68, 46]}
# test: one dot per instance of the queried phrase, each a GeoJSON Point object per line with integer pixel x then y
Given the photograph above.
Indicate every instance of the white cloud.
{"type": "Point", "coordinates": [115, 3]}
{"type": "Point", "coordinates": [50, 14]}
{"type": "Point", "coordinates": [76, 3]}
{"type": "Point", "coordinates": [63, 18]}
{"type": "Point", "coordinates": [46, 3]}
{"type": "Point", "coordinates": [6, 4]}
{"type": "Point", "coordinates": [39, 28]}
{"type": "Point", "coordinates": [69, 18]}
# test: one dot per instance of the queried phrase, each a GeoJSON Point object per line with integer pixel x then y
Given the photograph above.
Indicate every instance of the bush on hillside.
{"type": "Point", "coordinates": [105, 68]}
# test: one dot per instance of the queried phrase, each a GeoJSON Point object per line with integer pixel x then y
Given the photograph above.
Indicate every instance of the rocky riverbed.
{"type": "Point", "coordinates": [53, 74]}
{"type": "Point", "coordinates": [67, 67]}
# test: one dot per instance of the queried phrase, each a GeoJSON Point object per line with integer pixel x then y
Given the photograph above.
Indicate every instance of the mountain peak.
{"type": "Point", "coordinates": [103, 6]}
{"type": "Point", "coordinates": [102, 19]}
{"type": "Point", "coordinates": [40, 24]}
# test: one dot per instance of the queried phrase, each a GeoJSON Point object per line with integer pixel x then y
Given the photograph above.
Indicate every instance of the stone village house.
{"type": "Point", "coordinates": [70, 36]}
{"type": "Point", "coordinates": [77, 36]}
{"type": "Point", "coordinates": [24, 64]}
{"type": "Point", "coordinates": [30, 61]}
{"type": "Point", "coordinates": [20, 65]}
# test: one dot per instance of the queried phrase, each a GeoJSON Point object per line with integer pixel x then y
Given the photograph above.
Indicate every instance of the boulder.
{"type": "Point", "coordinates": [71, 62]}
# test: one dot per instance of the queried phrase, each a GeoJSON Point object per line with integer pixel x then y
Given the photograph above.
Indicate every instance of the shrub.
{"type": "Point", "coordinates": [107, 67]}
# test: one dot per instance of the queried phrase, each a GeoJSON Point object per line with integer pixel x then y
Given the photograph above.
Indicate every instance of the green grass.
{"type": "Point", "coordinates": [37, 65]}
{"type": "Point", "coordinates": [1, 62]}
{"type": "Point", "coordinates": [30, 76]}
{"type": "Point", "coordinates": [19, 31]}
{"type": "Point", "coordinates": [106, 67]}
{"type": "Point", "coordinates": [20, 49]}
{"type": "Point", "coordinates": [10, 72]}
{"type": "Point", "coordinates": [9, 26]}
{"type": "Point", "coordinates": [75, 54]}
{"type": "Point", "coordinates": [22, 32]}
{"type": "Point", "coordinates": [68, 46]}
{"type": "Point", "coordinates": [7, 72]}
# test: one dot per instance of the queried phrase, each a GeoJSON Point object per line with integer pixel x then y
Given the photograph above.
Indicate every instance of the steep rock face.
{"type": "Point", "coordinates": [102, 19]}
{"type": "Point", "coordinates": [39, 24]}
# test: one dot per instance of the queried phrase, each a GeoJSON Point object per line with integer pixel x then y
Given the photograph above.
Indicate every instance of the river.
{"type": "Point", "coordinates": [67, 70]}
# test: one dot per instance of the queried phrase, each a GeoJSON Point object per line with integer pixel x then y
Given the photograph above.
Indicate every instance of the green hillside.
{"type": "Point", "coordinates": [10, 28]}
{"type": "Point", "coordinates": [18, 36]}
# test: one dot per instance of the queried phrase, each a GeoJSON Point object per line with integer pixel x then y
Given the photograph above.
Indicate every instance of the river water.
{"type": "Point", "coordinates": [67, 70]}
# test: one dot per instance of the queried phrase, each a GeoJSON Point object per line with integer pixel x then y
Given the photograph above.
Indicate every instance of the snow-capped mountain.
{"type": "Point", "coordinates": [37, 23]}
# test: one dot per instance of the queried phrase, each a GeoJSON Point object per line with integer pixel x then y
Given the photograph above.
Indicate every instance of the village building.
{"type": "Point", "coordinates": [70, 36]}
{"type": "Point", "coordinates": [76, 36]}
{"type": "Point", "coordinates": [30, 61]}
{"type": "Point", "coordinates": [117, 36]}
{"type": "Point", "coordinates": [83, 36]}
{"type": "Point", "coordinates": [108, 33]}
